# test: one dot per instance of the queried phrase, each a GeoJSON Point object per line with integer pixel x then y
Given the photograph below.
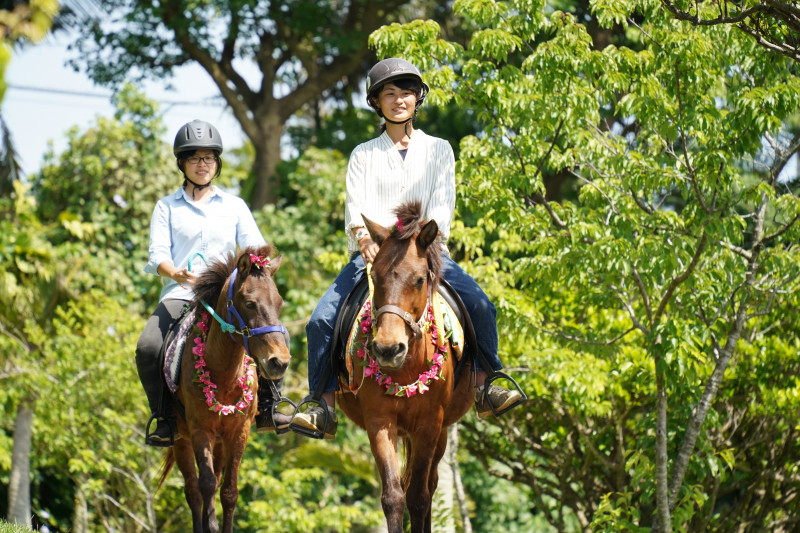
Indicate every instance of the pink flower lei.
{"type": "Point", "coordinates": [371, 367]}
{"type": "Point", "coordinates": [203, 377]}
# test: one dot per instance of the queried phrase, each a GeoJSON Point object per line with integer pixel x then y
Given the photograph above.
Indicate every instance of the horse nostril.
{"type": "Point", "coordinates": [277, 366]}
{"type": "Point", "coordinates": [388, 351]}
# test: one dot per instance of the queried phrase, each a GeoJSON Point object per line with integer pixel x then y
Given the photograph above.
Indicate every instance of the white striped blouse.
{"type": "Point", "coordinates": [379, 180]}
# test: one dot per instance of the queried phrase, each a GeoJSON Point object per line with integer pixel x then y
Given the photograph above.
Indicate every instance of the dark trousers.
{"type": "Point", "coordinates": [148, 349]}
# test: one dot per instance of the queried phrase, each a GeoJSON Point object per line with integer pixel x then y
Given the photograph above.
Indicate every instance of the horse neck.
{"type": "Point", "coordinates": [224, 356]}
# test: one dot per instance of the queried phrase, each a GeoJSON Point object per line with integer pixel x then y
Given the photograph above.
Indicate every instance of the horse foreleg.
{"type": "Point", "coordinates": [423, 466]}
{"type": "Point", "coordinates": [229, 492]}
{"type": "Point", "coordinates": [383, 443]}
{"type": "Point", "coordinates": [203, 453]}
{"type": "Point", "coordinates": [184, 458]}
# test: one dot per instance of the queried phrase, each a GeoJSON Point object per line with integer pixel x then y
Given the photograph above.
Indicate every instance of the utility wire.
{"type": "Point", "coordinates": [211, 100]}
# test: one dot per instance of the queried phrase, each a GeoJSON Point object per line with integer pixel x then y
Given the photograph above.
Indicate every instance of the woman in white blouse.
{"type": "Point", "coordinates": [402, 164]}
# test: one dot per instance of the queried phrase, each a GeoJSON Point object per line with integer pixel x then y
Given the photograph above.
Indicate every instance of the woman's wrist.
{"type": "Point", "coordinates": [360, 233]}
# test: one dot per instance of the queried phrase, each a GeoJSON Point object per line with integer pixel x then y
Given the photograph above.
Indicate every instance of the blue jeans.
{"type": "Point", "coordinates": [319, 329]}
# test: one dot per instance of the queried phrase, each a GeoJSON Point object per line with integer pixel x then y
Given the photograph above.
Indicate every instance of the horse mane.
{"type": "Point", "coordinates": [211, 281]}
{"type": "Point", "coordinates": [410, 215]}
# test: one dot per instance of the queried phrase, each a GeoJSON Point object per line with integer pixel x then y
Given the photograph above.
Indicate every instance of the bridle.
{"type": "Point", "coordinates": [230, 328]}
{"type": "Point", "coordinates": [415, 325]}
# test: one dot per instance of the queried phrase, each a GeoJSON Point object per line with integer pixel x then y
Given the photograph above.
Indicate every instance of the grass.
{"type": "Point", "coordinates": [5, 527]}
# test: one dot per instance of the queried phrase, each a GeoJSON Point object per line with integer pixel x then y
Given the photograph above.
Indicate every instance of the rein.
{"type": "Point", "coordinates": [229, 328]}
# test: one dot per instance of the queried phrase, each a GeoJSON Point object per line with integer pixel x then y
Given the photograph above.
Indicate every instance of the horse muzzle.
{"type": "Point", "coordinates": [390, 356]}
{"type": "Point", "coordinates": [273, 367]}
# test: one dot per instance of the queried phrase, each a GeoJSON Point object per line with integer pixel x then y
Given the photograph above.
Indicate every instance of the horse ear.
{"type": "Point", "coordinates": [428, 233]}
{"type": "Point", "coordinates": [376, 231]}
{"type": "Point", "coordinates": [275, 264]}
{"type": "Point", "coordinates": [243, 264]}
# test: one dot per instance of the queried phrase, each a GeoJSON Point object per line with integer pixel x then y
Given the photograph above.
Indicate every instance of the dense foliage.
{"type": "Point", "coordinates": [626, 196]}
{"type": "Point", "coordinates": [670, 268]}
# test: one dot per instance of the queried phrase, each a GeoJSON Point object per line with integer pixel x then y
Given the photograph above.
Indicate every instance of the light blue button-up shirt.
{"type": "Point", "coordinates": [180, 227]}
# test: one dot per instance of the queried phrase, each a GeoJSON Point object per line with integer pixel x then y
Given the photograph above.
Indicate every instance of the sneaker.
{"type": "Point", "coordinates": [498, 397]}
{"type": "Point", "coordinates": [266, 423]}
{"type": "Point", "coordinates": [312, 421]}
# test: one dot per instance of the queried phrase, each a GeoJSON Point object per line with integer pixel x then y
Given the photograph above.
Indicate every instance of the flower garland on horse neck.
{"type": "Point", "coordinates": [203, 376]}
{"type": "Point", "coordinates": [371, 367]}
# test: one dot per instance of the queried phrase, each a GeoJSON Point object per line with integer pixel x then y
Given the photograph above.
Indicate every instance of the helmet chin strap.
{"type": "Point", "coordinates": [196, 186]}
{"type": "Point", "coordinates": [406, 122]}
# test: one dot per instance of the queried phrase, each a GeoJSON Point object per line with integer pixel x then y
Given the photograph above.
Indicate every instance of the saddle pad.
{"type": "Point", "coordinates": [173, 352]}
{"type": "Point", "coordinates": [453, 332]}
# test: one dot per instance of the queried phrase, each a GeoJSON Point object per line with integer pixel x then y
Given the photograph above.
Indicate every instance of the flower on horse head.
{"type": "Point", "coordinates": [398, 226]}
{"type": "Point", "coordinates": [259, 260]}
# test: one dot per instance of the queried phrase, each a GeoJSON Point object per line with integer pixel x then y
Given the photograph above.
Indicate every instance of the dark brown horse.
{"type": "Point", "coordinates": [218, 382]}
{"type": "Point", "coordinates": [404, 274]}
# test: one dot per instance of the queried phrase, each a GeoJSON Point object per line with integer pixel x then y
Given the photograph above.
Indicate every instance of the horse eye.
{"type": "Point", "coordinates": [420, 281]}
{"type": "Point", "coordinates": [250, 304]}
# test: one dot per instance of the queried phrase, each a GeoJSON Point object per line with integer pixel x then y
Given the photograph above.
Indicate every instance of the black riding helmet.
{"type": "Point", "coordinates": [392, 69]}
{"type": "Point", "coordinates": [197, 135]}
{"type": "Point", "coordinates": [193, 136]}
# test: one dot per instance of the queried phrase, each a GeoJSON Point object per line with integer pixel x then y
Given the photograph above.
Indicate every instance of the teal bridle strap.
{"type": "Point", "coordinates": [227, 328]}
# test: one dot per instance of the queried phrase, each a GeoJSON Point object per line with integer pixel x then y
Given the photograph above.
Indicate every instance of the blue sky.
{"type": "Point", "coordinates": [45, 98]}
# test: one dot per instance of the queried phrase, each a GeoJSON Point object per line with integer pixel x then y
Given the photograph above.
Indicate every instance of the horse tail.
{"type": "Point", "coordinates": [166, 466]}
{"type": "Point", "coordinates": [406, 480]}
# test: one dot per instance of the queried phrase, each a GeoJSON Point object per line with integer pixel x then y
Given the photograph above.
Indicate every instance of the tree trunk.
{"type": "Point", "coordinates": [19, 485]}
{"type": "Point", "coordinates": [663, 521]}
{"type": "Point", "coordinates": [443, 510]}
{"type": "Point", "coordinates": [268, 155]}
{"type": "Point", "coordinates": [452, 450]}
{"type": "Point", "coordinates": [80, 515]}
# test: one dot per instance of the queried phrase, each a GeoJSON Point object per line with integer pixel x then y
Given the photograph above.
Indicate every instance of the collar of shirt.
{"type": "Point", "coordinates": [181, 193]}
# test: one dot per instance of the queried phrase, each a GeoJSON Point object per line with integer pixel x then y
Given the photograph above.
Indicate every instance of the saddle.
{"type": "Point", "coordinates": [172, 349]}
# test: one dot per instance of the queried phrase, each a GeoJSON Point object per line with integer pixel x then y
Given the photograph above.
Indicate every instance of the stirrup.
{"type": "Point", "coordinates": [498, 374]}
{"type": "Point", "coordinates": [275, 405]}
{"type": "Point", "coordinates": [318, 434]}
{"type": "Point", "coordinates": [148, 435]}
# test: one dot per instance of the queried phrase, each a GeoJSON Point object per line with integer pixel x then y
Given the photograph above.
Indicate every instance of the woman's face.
{"type": "Point", "coordinates": [395, 103]}
{"type": "Point", "coordinates": [201, 167]}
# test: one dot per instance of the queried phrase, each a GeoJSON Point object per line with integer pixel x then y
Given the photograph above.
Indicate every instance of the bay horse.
{"type": "Point", "coordinates": [407, 390]}
{"type": "Point", "coordinates": [218, 383]}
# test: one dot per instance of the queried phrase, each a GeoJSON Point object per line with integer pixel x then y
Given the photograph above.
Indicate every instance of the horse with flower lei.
{"type": "Point", "coordinates": [406, 379]}
{"type": "Point", "coordinates": [218, 383]}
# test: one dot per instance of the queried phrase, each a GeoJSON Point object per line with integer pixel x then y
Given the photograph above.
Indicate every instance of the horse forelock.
{"type": "Point", "coordinates": [409, 214]}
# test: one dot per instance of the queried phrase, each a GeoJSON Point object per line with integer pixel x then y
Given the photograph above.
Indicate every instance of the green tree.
{"type": "Point", "coordinates": [102, 190]}
{"type": "Point", "coordinates": [268, 59]}
{"type": "Point", "coordinates": [669, 266]}
{"type": "Point", "coordinates": [774, 24]}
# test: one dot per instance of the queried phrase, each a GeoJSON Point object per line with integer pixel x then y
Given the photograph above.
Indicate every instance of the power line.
{"type": "Point", "coordinates": [211, 100]}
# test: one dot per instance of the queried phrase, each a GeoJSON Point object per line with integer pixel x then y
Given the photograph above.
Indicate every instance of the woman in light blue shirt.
{"type": "Point", "coordinates": [196, 217]}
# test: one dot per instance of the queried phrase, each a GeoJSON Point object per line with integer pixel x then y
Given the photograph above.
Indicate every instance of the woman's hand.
{"type": "Point", "coordinates": [368, 249]}
{"type": "Point", "coordinates": [184, 278]}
